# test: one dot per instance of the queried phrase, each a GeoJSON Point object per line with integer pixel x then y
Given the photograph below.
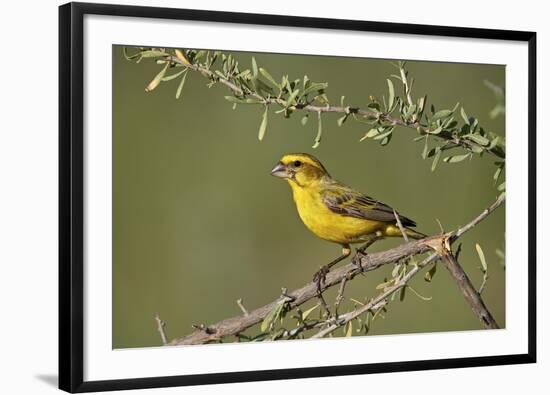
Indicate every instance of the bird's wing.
{"type": "Point", "coordinates": [346, 201]}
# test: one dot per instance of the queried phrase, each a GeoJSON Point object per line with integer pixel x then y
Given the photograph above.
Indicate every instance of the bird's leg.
{"type": "Point", "coordinates": [361, 251]}
{"type": "Point", "coordinates": [320, 276]}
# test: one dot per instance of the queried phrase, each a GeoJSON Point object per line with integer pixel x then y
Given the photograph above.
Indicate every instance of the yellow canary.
{"type": "Point", "coordinates": [335, 212]}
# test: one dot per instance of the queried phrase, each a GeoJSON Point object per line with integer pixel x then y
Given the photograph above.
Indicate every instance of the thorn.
{"type": "Point", "coordinates": [286, 296]}
{"type": "Point", "coordinates": [241, 306]}
{"type": "Point", "coordinates": [160, 327]}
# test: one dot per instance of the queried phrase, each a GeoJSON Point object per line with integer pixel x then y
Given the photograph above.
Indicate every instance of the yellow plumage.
{"type": "Point", "coordinates": [333, 211]}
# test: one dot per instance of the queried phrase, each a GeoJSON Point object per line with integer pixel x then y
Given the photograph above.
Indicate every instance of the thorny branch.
{"type": "Point", "coordinates": [378, 301]}
{"type": "Point", "coordinates": [346, 110]}
{"type": "Point", "coordinates": [440, 245]}
{"type": "Point", "coordinates": [441, 125]}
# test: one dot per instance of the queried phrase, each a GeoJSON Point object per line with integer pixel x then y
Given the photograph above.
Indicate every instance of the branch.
{"type": "Point", "coordinates": [361, 263]}
{"type": "Point", "coordinates": [468, 291]}
{"type": "Point", "coordinates": [375, 302]}
{"type": "Point", "coordinates": [160, 327]}
{"type": "Point", "coordinates": [497, 150]}
{"type": "Point", "coordinates": [472, 296]}
{"type": "Point", "coordinates": [234, 325]}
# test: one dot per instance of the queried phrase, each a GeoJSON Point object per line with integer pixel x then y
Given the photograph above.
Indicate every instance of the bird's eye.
{"type": "Point", "coordinates": [297, 163]}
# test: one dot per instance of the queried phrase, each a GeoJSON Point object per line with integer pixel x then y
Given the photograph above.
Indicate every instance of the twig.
{"type": "Point", "coordinates": [324, 304]}
{"type": "Point", "coordinates": [160, 327]}
{"type": "Point", "coordinates": [302, 328]}
{"type": "Point", "coordinates": [340, 296]}
{"type": "Point", "coordinates": [406, 85]}
{"type": "Point", "coordinates": [479, 218]}
{"type": "Point", "coordinates": [401, 228]}
{"type": "Point", "coordinates": [374, 303]}
{"type": "Point", "coordinates": [369, 262]}
{"type": "Point", "coordinates": [241, 306]}
{"type": "Point", "coordinates": [483, 283]}
{"type": "Point", "coordinates": [416, 125]}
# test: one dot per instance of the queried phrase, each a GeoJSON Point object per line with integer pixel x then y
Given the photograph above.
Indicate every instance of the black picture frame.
{"type": "Point", "coordinates": [71, 195]}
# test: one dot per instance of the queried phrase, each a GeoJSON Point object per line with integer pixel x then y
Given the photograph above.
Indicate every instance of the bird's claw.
{"type": "Point", "coordinates": [320, 277]}
{"type": "Point", "coordinates": [356, 260]}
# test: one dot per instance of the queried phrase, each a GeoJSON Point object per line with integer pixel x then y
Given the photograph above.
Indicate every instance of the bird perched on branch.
{"type": "Point", "coordinates": [337, 213]}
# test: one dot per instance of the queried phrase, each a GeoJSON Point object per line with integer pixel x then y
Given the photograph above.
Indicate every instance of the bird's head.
{"type": "Point", "coordinates": [300, 169]}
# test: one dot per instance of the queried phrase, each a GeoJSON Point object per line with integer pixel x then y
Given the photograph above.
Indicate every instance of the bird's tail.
{"type": "Point", "coordinates": [413, 234]}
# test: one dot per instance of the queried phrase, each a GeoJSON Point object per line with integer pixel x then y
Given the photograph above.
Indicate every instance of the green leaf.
{"type": "Point", "coordinates": [386, 140]}
{"type": "Point", "coordinates": [456, 158]}
{"type": "Point", "coordinates": [501, 187]}
{"type": "Point", "coordinates": [395, 270]}
{"type": "Point", "coordinates": [385, 284]}
{"type": "Point", "coordinates": [464, 116]}
{"type": "Point", "coordinates": [391, 96]}
{"type": "Point", "coordinates": [494, 142]}
{"type": "Point", "coordinates": [152, 54]}
{"type": "Point", "coordinates": [349, 328]}
{"type": "Point", "coordinates": [254, 68]}
{"type": "Point", "coordinates": [180, 86]}
{"type": "Point", "coordinates": [262, 86]}
{"type": "Point", "coordinates": [291, 98]}
{"type": "Point", "coordinates": [308, 312]}
{"type": "Point", "coordinates": [421, 105]}
{"type": "Point", "coordinates": [430, 273]}
{"type": "Point", "coordinates": [498, 110]}
{"type": "Point", "coordinates": [425, 150]}
{"type": "Point", "coordinates": [240, 100]}
{"type": "Point", "coordinates": [477, 149]}
{"type": "Point", "coordinates": [440, 115]}
{"type": "Point", "coordinates": [497, 174]}
{"type": "Point", "coordinates": [424, 298]}
{"type": "Point", "coordinates": [342, 119]}
{"type": "Point", "coordinates": [173, 76]}
{"type": "Point", "coordinates": [263, 125]}
{"type": "Point", "coordinates": [319, 131]}
{"type": "Point", "coordinates": [158, 78]}
{"type": "Point", "coordinates": [481, 258]}
{"type": "Point", "coordinates": [450, 122]}
{"type": "Point", "coordinates": [315, 86]}
{"type": "Point", "coordinates": [384, 134]}
{"type": "Point", "coordinates": [129, 57]}
{"type": "Point", "coordinates": [477, 138]}
{"type": "Point", "coordinates": [371, 133]}
{"type": "Point", "coordinates": [268, 77]}
{"type": "Point", "coordinates": [305, 82]}
{"type": "Point", "coordinates": [374, 106]}
{"type": "Point", "coordinates": [304, 120]}
{"type": "Point", "coordinates": [402, 293]}
{"type": "Point", "coordinates": [273, 315]}
{"type": "Point", "coordinates": [436, 158]}
{"type": "Point", "coordinates": [410, 110]}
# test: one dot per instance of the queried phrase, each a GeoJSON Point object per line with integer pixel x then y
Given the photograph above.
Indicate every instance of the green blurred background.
{"type": "Point", "coordinates": [198, 222]}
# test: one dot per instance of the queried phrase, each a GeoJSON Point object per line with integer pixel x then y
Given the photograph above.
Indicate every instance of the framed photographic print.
{"type": "Point", "coordinates": [256, 197]}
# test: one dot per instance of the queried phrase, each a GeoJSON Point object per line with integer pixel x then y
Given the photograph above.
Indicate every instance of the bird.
{"type": "Point", "coordinates": [337, 213]}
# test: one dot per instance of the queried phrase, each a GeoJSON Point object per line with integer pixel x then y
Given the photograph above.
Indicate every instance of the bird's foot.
{"type": "Point", "coordinates": [320, 277]}
{"type": "Point", "coordinates": [358, 258]}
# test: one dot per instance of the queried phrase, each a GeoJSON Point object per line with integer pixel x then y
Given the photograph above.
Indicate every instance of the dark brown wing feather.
{"type": "Point", "coordinates": [344, 200]}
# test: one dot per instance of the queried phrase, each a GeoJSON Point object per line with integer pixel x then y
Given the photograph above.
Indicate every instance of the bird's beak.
{"type": "Point", "coordinates": [280, 171]}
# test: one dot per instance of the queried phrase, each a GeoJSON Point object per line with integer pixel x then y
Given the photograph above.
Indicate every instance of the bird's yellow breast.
{"type": "Point", "coordinates": [327, 224]}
